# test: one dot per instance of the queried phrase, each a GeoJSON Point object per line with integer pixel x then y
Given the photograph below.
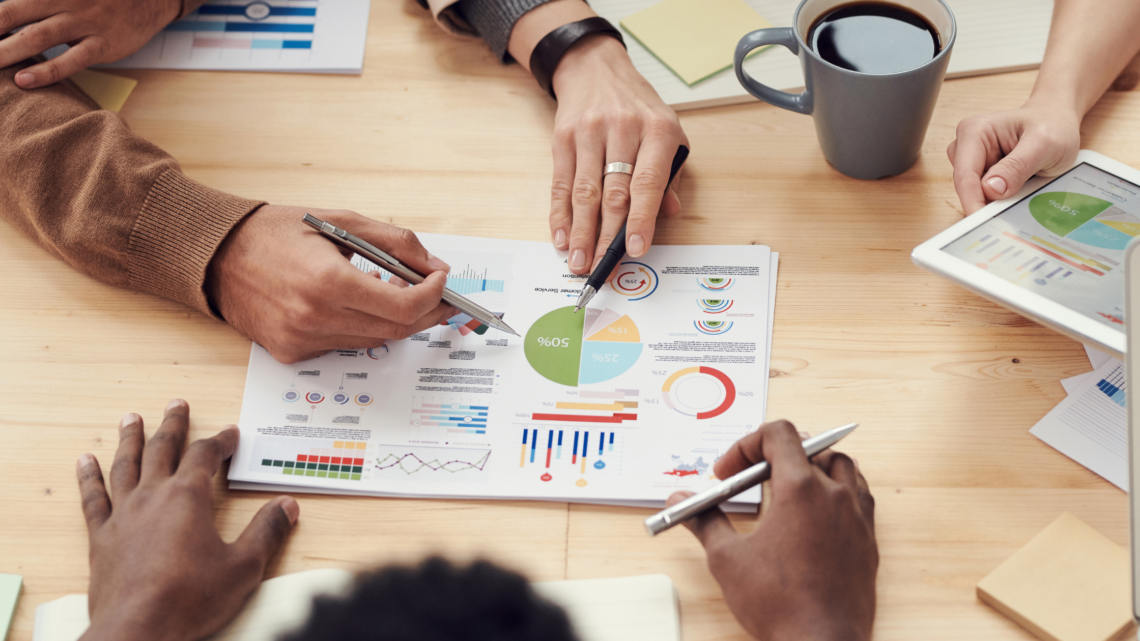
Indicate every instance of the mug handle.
{"type": "Point", "coordinates": [799, 103]}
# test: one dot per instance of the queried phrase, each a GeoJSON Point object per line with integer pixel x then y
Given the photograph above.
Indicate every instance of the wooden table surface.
{"type": "Point", "coordinates": [437, 136]}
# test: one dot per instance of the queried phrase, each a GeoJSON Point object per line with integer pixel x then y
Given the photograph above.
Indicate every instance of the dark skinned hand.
{"type": "Point", "coordinates": [159, 569]}
{"type": "Point", "coordinates": [807, 572]}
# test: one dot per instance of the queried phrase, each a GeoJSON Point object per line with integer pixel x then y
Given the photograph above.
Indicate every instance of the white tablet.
{"type": "Point", "coordinates": [1054, 252]}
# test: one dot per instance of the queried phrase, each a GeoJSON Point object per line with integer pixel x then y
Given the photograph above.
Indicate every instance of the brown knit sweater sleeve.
{"type": "Point", "coordinates": [110, 204]}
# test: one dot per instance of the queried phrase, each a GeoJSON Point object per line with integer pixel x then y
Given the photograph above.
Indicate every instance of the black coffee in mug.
{"type": "Point", "coordinates": [874, 37]}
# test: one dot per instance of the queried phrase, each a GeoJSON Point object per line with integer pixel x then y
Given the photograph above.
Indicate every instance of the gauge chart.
{"type": "Point", "coordinates": [700, 392]}
{"type": "Point", "coordinates": [579, 349]}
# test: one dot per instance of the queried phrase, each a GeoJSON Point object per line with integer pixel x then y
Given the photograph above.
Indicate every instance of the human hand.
{"type": "Point", "coordinates": [608, 113]}
{"type": "Point", "coordinates": [296, 294]}
{"type": "Point", "coordinates": [98, 31]}
{"type": "Point", "coordinates": [994, 154]}
{"type": "Point", "coordinates": [808, 569]}
{"type": "Point", "coordinates": [159, 569]}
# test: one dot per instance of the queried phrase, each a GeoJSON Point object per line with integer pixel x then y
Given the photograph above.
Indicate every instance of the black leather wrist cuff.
{"type": "Point", "coordinates": [549, 51]}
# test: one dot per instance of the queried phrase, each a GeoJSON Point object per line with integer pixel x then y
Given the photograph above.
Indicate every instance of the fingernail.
{"type": "Point", "coordinates": [997, 183]}
{"type": "Point", "coordinates": [175, 403]}
{"type": "Point", "coordinates": [129, 419]}
{"type": "Point", "coordinates": [437, 264]}
{"type": "Point", "coordinates": [804, 434]}
{"type": "Point", "coordinates": [25, 78]}
{"type": "Point", "coordinates": [676, 197]}
{"type": "Point", "coordinates": [855, 461]}
{"type": "Point", "coordinates": [635, 246]}
{"type": "Point", "coordinates": [292, 510]}
{"type": "Point", "coordinates": [560, 239]}
{"type": "Point", "coordinates": [577, 259]}
{"type": "Point", "coordinates": [84, 461]}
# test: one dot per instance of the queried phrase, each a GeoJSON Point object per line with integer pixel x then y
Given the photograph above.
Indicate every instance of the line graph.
{"type": "Point", "coordinates": [432, 464]}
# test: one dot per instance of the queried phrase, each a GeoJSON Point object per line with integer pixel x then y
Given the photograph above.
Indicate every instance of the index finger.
{"type": "Point", "coordinates": [970, 162]}
{"type": "Point", "coordinates": [646, 190]}
{"type": "Point", "coordinates": [205, 456]}
{"type": "Point", "coordinates": [397, 241]}
{"type": "Point", "coordinates": [778, 443]}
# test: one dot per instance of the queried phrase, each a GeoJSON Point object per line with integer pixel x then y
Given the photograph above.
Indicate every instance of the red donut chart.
{"type": "Point", "coordinates": [725, 381]}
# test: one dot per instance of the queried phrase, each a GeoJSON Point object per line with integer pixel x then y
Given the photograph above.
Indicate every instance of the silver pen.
{"type": "Point", "coordinates": [735, 484]}
{"type": "Point", "coordinates": [390, 263]}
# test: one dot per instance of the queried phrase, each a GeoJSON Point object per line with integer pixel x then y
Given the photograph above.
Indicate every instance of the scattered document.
{"type": "Point", "coordinates": [618, 609]}
{"type": "Point", "coordinates": [10, 587]}
{"type": "Point", "coordinates": [1091, 425]}
{"type": "Point", "coordinates": [695, 39]}
{"type": "Point", "coordinates": [992, 37]}
{"type": "Point", "coordinates": [624, 402]}
{"type": "Point", "coordinates": [311, 36]}
{"type": "Point", "coordinates": [108, 91]}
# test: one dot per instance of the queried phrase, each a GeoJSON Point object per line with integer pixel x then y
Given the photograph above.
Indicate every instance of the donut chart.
{"type": "Point", "coordinates": [701, 392]}
{"type": "Point", "coordinates": [592, 346]}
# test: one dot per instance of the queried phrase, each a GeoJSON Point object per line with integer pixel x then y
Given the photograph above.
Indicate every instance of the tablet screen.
{"type": "Point", "coordinates": [1065, 241]}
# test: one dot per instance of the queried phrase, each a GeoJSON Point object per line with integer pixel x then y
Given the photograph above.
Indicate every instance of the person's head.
{"type": "Point", "coordinates": [437, 601]}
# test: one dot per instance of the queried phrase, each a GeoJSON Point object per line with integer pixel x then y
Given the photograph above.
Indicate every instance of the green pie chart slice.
{"type": "Point", "coordinates": [553, 345]}
{"type": "Point", "coordinates": [1062, 212]}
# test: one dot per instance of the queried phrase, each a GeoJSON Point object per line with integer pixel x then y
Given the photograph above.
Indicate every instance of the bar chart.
{"type": "Point", "coordinates": [453, 418]}
{"type": "Point", "coordinates": [567, 450]}
{"type": "Point", "coordinates": [318, 458]}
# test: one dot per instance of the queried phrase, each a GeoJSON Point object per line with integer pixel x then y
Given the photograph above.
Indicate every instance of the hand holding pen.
{"type": "Point", "coordinates": [814, 544]}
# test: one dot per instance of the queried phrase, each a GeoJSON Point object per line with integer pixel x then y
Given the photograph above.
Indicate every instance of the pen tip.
{"type": "Point", "coordinates": [576, 308]}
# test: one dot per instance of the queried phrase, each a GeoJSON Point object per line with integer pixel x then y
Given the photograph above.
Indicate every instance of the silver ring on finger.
{"type": "Point", "coordinates": [618, 168]}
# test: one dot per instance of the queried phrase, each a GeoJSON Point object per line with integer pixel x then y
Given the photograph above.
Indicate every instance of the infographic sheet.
{"type": "Point", "coordinates": [1065, 241]}
{"type": "Point", "coordinates": [312, 36]}
{"type": "Point", "coordinates": [626, 401]}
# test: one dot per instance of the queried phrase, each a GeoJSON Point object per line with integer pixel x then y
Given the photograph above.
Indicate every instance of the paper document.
{"type": "Point", "coordinates": [624, 402]}
{"type": "Point", "coordinates": [992, 37]}
{"type": "Point", "coordinates": [108, 91]}
{"type": "Point", "coordinates": [312, 36]}
{"type": "Point", "coordinates": [618, 609]}
{"type": "Point", "coordinates": [1091, 425]}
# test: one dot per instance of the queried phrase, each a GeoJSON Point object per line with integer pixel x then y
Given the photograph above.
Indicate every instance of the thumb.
{"type": "Point", "coordinates": [711, 527]}
{"type": "Point", "coordinates": [1009, 174]}
{"type": "Point", "coordinates": [403, 244]}
{"type": "Point", "coordinates": [268, 529]}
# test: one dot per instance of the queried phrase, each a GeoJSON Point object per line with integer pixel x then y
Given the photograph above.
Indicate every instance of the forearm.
{"type": "Point", "coordinates": [107, 202]}
{"type": "Point", "coordinates": [534, 26]}
{"type": "Point", "coordinates": [1090, 42]}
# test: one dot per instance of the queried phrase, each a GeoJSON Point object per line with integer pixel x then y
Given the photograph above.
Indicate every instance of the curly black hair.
{"type": "Point", "coordinates": [437, 601]}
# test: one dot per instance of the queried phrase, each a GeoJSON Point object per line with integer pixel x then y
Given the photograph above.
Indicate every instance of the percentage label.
{"type": "Point", "coordinates": [553, 342]}
{"type": "Point", "coordinates": [605, 358]}
{"type": "Point", "coordinates": [1065, 208]}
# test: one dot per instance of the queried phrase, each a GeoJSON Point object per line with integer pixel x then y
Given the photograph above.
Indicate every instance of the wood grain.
{"type": "Point", "coordinates": [437, 136]}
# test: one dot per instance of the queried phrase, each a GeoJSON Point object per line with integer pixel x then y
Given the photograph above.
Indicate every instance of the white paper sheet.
{"type": "Point", "coordinates": [1090, 425]}
{"type": "Point", "coordinates": [673, 370]}
{"type": "Point", "coordinates": [311, 36]}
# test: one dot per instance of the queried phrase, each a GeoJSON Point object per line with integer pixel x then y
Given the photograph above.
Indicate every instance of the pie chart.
{"type": "Point", "coordinates": [592, 346]}
{"type": "Point", "coordinates": [701, 392]}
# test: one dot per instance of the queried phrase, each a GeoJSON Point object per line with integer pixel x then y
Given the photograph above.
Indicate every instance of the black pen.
{"type": "Point", "coordinates": [616, 249]}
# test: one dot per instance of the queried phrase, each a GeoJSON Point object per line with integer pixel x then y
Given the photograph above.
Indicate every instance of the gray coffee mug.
{"type": "Point", "coordinates": [869, 125]}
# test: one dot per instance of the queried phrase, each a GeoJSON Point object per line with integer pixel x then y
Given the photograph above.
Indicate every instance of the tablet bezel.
{"type": "Point", "coordinates": [929, 256]}
{"type": "Point", "coordinates": [1132, 368]}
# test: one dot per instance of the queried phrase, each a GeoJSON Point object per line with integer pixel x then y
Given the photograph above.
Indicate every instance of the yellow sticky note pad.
{"type": "Point", "coordinates": [107, 90]}
{"type": "Point", "coordinates": [694, 38]}
{"type": "Point", "coordinates": [1069, 583]}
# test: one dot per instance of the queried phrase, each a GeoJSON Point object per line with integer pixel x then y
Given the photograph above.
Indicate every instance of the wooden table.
{"type": "Point", "coordinates": [437, 136]}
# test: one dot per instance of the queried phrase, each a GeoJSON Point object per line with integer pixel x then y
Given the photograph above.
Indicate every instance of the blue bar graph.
{"type": "Point", "coordinates": [533, 443]}
{"type": "Point", "coordinates": [1113, 387]}
{"type": "Point", "coordinates": [559, 452]}
{"type": "Point", "coordinates": [238, 27]}
{"type": "Point", "coordinates": [612, 441]}
{"type": "Point", "coordinates": [216, 10]}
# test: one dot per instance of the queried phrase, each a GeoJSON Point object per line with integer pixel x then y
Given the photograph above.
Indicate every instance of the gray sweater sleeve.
{"type": "Point", "coordinates": [494, 19]}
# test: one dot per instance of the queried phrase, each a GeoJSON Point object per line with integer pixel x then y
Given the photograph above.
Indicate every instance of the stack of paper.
{"type": "Point", "coordinates": [625, 402]}
{"type": "Point", "coordinates": [992, 37]}
{"type": "Point", "coordinates": [1091, 425]}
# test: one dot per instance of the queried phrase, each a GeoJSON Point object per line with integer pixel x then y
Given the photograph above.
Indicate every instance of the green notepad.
{"type": "Point", "coordinates": [695, 39]}
{"type": "Point", "coordinates": [10, 586]}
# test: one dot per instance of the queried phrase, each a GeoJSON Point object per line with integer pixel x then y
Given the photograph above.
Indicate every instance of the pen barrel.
{"type": "Point", "coordinates": [708, 499]}
{"type": "Point", "coordinates": [614, 253]}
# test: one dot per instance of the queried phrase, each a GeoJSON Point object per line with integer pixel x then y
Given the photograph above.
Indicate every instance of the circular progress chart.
{"type": "Point", "coordinates": [592, 346]}
{"type": "Point", "coordinates": [701, 392]}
